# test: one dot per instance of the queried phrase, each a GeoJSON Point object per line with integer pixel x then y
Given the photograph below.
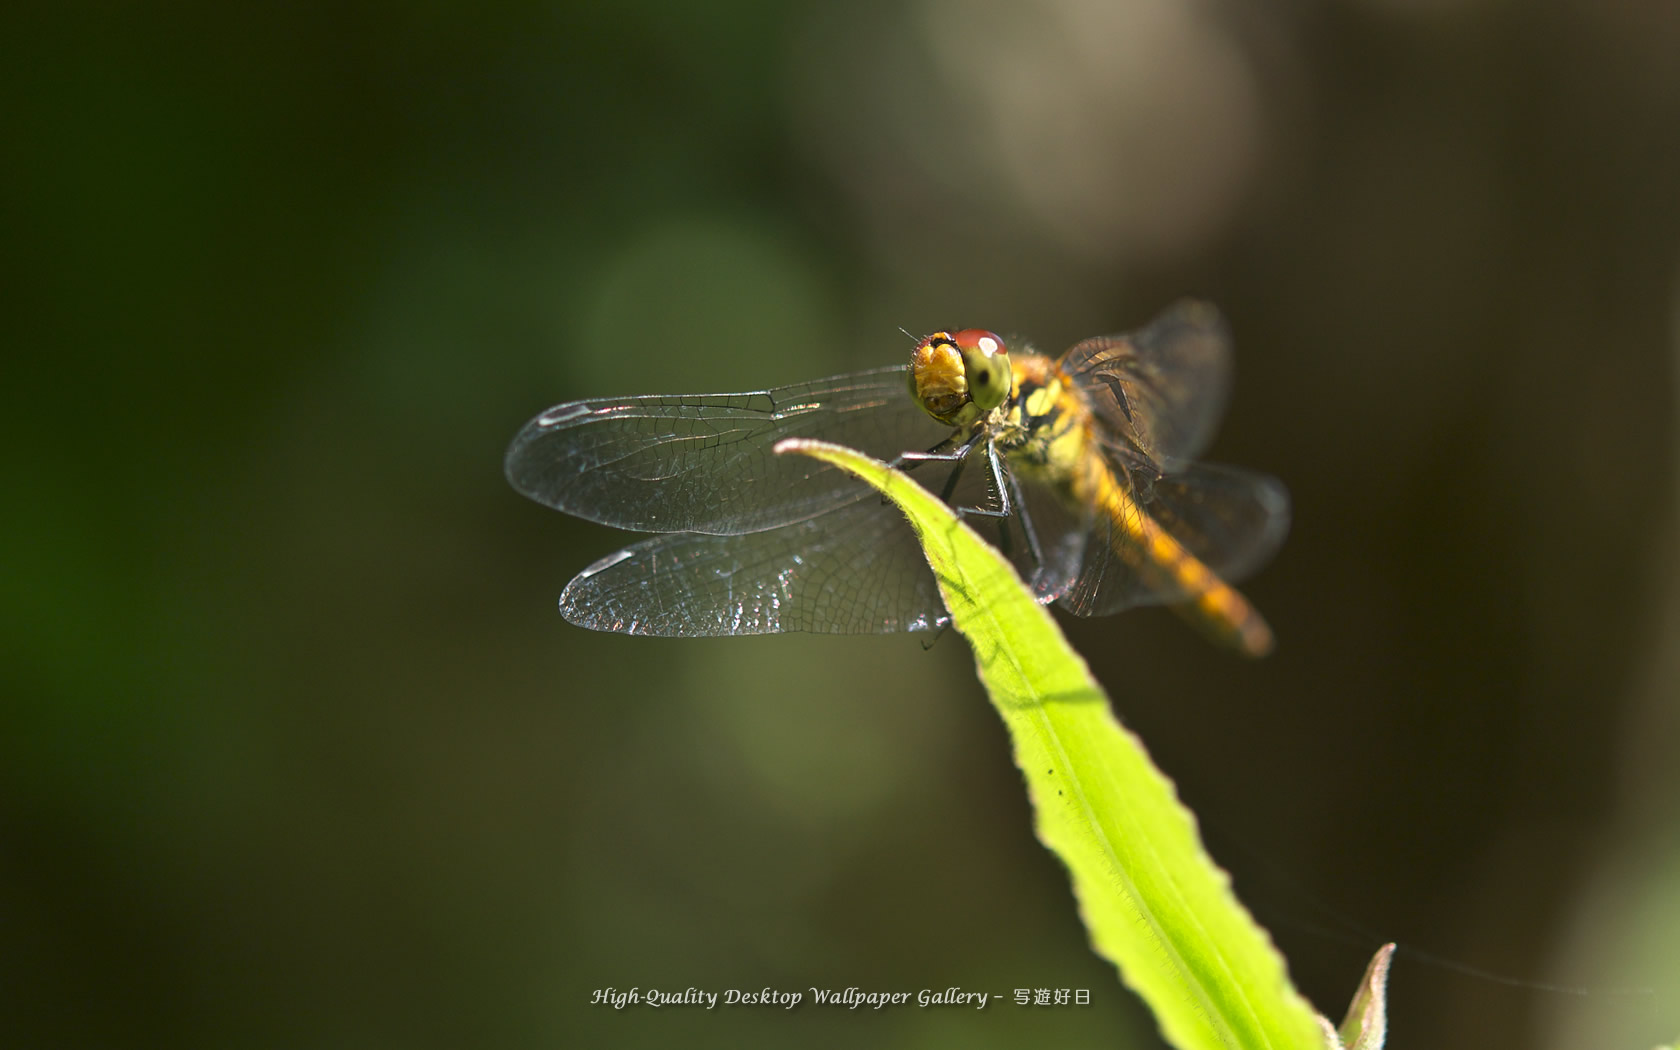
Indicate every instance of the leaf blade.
{"type": "Point", "coordinates": [1153, 901]}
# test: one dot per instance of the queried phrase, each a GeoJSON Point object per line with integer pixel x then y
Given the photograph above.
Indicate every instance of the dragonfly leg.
{"type": "Point", "coordinates": [1033, 546]}
{"type": "Point", "coordinates": [1003, 512]}
{"type": "Point", "coordinates": [1006, 542]}
{"type": "Point", "coordinates": [937, 454]}
{"type": "Point", "coordinates": [1002, 483]}
{"type": "Point", "coordinates": [1006, 506]}
{"type": "Point", "coordinates": [908, 461]}
{"type": "Point", "coordinates": [940, 453]}
{"type": "Point", "coordinates": [938, 632]}
{"type": "Point", "coordinates": [951, 480]}
{"type": "Point", "coordinates": [1002, 487]}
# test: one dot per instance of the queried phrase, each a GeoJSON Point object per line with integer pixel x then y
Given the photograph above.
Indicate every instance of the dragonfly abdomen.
{"type": "Point", "coordinates": [1210, 604]}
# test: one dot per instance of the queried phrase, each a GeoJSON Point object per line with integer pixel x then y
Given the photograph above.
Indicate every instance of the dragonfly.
{"type": "Point", "coordinates": [1082, 470]}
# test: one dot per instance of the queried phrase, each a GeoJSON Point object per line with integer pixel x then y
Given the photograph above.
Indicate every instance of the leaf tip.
{"type": "Point", "coordinates": [802, 446]}
{"type": "Point", "coordinates": [1366, 1025]}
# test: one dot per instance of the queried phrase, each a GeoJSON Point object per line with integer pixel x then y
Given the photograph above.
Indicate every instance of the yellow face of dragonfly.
{"type": "Point", "coordinates": [958, 377]}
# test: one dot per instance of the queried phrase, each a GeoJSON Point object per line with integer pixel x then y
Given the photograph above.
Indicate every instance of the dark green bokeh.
{"type": "Point", "coordinates": [297, 752]}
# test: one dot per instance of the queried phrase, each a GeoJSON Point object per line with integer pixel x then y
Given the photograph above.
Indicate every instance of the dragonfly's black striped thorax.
{"type": "Point", "coordinates": [1044, 426]}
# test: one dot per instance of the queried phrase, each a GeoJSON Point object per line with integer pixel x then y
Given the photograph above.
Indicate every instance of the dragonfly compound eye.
{"type": "Point", "coordinates": [986, 361]}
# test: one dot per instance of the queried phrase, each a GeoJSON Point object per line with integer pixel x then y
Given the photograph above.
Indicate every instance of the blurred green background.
{"type": "Point", "coordinates": [296, 751]}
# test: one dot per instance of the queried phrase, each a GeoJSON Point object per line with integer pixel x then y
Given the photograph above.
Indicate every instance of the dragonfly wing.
{"type": "Point", "coordinates": [1159, 392]}
{"type": "Point", "coordinates": [1232, 520]}
{"type": "Point", "coordinates": [856, 569]}
{"type": "Point", "coordinates": [704, 462]}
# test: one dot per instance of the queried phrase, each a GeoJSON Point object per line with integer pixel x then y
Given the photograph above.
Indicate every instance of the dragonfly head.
{"type": "Point", "coordinates": [958, 377]}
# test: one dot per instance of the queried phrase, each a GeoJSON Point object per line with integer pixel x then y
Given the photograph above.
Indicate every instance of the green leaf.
{"type": "Point", "coordinates": [1153, 901]}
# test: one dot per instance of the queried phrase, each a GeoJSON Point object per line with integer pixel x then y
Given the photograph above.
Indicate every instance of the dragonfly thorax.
{"type": "Point", "coordinates": [1044, 430]}
{"type": "Point", "coordinates": [957, 378]}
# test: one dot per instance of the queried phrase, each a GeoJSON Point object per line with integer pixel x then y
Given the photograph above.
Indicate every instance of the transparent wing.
{"type": "Point", "coordinates": [703, 462]}
{"type": "Point", "coordinates": [1158, 392]}
{"type": "Point", "coordinates": [1233, 520]}
{"type": "Point", "coordinates": [854, 570]}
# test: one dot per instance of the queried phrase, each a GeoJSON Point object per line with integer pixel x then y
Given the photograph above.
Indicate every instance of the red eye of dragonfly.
{"type": "Point", "coordinates": [986, 365]}
{"type": "Point", "coordinates": [978, 339]}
